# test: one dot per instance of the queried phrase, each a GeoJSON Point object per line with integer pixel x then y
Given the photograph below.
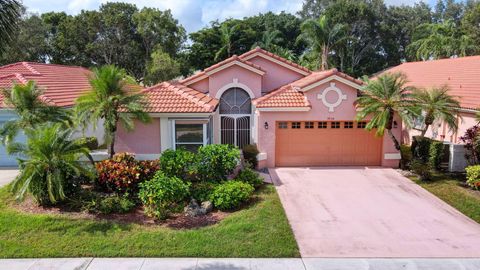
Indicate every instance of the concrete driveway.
{"type": "Point", "coordinates": [7, 175]}
{"type": "Point", "coordinates": [371, 212]}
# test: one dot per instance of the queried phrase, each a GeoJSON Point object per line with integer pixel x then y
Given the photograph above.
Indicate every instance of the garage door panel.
{"type": "Point", "coordinates": [326, 146]}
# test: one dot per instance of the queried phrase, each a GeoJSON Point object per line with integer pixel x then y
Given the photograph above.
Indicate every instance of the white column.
{"type": "Point", "coordinates": [165, 134]}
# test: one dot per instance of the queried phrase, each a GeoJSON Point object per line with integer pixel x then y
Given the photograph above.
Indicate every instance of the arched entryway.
{"type": "Point", "coordinates": [235, 113]}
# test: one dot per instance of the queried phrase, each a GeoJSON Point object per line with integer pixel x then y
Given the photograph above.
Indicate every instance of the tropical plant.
{"type": "Point", "coordinates": [226, 38]}
{"type": "Point", "coordinates": [472, 144]}
{"type": "Point", "coordinates": [215, 162]}
{"type": "Point", "coordinates": [269, 40]}
{"type": "Point", "coordinates": [382, 99]}
{"type": "Point", "coordinates": [251, 177]}
{"type": "Point", "coordinates": [113, 99]}
{"type": "Point", "coordinates": [28, 103]}
{"type": "Point", "coordinates": [437, 104]}
{"type": "Point", "coordinates": [321, 36]}
{"type": "Point", "coordinates": [177, 163]}
{"type": "Point", "coordinates": [9, 15]}
{"type": "Point", "coordinates": [473, 176]}
{"type": "Point", "coordinates": [231, 194]}
{"type": "Point", "coordinates": [51, 158]}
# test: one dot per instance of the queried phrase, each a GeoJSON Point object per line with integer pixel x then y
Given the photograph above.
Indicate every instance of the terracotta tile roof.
{"type": "Point", "coordinates": [62, 84]}
{"type": "Point", "coordinates": [285, 96]}
{"type": "Point", "coordinates": [291, 95]}
{"type": "Point", "coordinates": [462, 75]}
{"type": "Point", "coordinates": [279, 58]}
{"type": "Point", "coordinates": [167, 97]}
{"type": "Point", "coordinates": [219, 64]}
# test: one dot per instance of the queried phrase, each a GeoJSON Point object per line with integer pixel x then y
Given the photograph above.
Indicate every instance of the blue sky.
{"type": "Point", "coordinates": [192, 14]}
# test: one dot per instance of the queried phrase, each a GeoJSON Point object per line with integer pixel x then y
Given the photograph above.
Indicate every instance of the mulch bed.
{"type": "Point", "coordinates": [175, 221]}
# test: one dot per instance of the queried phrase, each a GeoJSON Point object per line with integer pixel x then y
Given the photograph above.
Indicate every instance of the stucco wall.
{"type": "Point", "coordinates": [250, 79]}
{"type": "Point", "coordinates": [319, 112]}
{"type": "Point", "coordinates": [144, 139]}
{"type": "Point", "coordinates": [201, 86]}
{"type": "Point", "coordinates": [276, 75]}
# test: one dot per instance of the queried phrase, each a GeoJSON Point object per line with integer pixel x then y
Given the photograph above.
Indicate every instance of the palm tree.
{"type": "Point", "coordinates": [226, 39]}
{"type": "Point", "coordinates": [51, 158]}
{"type": "Point", "coordinates": [437, 104]}
{"type": "Point", "coordinates": [9, 15]}
{"type": "Point", "coordinates": [322, 37]}
{"type": "Point", "coordinates": [269, 40]}
{"type": "Point", "coordinates": [27, 101]}
{"type": "Point", "coordinates": [383, 98]}
{"type": "Point", "coordinates": [112, 92]}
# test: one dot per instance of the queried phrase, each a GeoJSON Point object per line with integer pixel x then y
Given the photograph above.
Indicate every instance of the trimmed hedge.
{"type": "Point", "coordinates": [214, 162]}
{"type": "Point", "coordinates": [407, 156]}
{"type": "Point", "coordinates": [421, 148]}
{"type": "Point", "coordinates": [177, 163]}
{"type": "Point", "coordinates": [231, 194]}
{"type": "Point", "coordinates": [436, 154]}
{"type": "Point", "coordinates": [251, 177]}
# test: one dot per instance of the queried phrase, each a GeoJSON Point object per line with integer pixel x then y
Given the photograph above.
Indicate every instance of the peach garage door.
{"type": "Point", "coordinates": [334, 143]}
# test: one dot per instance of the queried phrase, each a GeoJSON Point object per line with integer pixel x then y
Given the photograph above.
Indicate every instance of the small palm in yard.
{"type": "Point", "coordinates": [382, 99]}
{"type": "Point", "coordinates": [112, 91]}
{"type": "Point", "coordinates": [437, 104]}
{"type": "Point", "coordinates": [26, 101]}
{"type": "Point", "coordinates": [51, 159]}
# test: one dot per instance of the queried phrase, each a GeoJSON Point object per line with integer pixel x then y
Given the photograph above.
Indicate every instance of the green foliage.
{"type": "Point", "coordinates": [421, 148]}
{"type": "Point", "coordinates": [31, 110]}
{"type": "Point", "coordinates": [407, 156]}
{"type": "Point", "coordinates": [473, 176]}
{"type": "Point", "coordinates": [231, 194]}
{"type": "Point", "coordinates": [161, 194]}
{"type": "Point", "coordinates": [422, 169]}
{"type": "Point", "coordinates": [51, 158]}
{"type": "Point", "coordinates": [9, 16]}
{"type": "Point", "coordinates": [112, 90]}
{"type": "Point", "coordinates": [384, 98]}
{"type": "Point", "coordinates": [177, 163]}
{"type": "Point", "coordinates": [436, 154]}
{"type": "Point", "coordinates": [161, 67]}
{"type": "Point", "coordinates": [250, 152]}
{"type": "Point", "coordinates": [123, 173]}
{"type": "Point", "coordinates": [251, 177]}
{"type": "Point", "coordinates": [202, 191]}
{"type": "Point", "coordinates": [214, 162]}
{"type": "Point", "coordinates": [89, 142]}
{"type": "Point", "coordinates": [114, 204]}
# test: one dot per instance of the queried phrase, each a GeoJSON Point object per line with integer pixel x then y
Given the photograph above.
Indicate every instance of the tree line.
{"type": "Point", "coordinates": [358, 37]}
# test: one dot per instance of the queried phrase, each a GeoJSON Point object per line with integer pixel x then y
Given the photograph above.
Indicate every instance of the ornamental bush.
{"type": "Point", "coordinates": [177, 163]}
{"type": "Point", "coordinates": [421, 148]}
{"type": "Point", "coordinates": [406, 155]}
{"type": "Point", "coordinates": [472, 144]}
{"type": "Point", "coordinates": [473, 176]}
{"type": "Point", "coordinates": [123, 173]}
{"type": "Point", "coordinates": [231, 194]}
{"type": "Point", "coordinates": [251, 177]}
{"type": "Point", "coordinates": [90, 142]}
{"type": "Point", "coordinates": [422, 169]}
{"type": "Point", "coordinates": [436, 154]}
{"type": "Point", "coordinates": [215, 162]}
{"type": "Point", "coordinates": [202, 191]}
{"type": "Point", "coordinates": [161, 194]}
{"type": "Point", "coordinates": [109, 204]}
{"type": "Point", "coordinates": [250, 152]}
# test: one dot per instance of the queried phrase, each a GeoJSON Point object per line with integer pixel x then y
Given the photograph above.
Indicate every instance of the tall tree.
{"type": "Point", "coordinates": [322, 37]}
{"type": "Point", "coordinates": [161, 68]}
{"type": "Point", "coordinates": [383, 98]}
{"type": "Point", "coordinates": [226, 38]}
{"type": "Point", "coordinates": [9, 16]}
{"type": "Point", "coordinates": [437, 105]}
{"type": "Point", "coordinates": [114, 99]}
{"type": "Point", "coordinates": [28, 104]}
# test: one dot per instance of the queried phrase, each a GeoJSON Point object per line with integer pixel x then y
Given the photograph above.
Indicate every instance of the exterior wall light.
{"type": "Point", "coordinates": [265, 125]}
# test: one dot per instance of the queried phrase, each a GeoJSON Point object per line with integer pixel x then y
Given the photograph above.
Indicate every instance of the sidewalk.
{"type": "Point", "coordinates": [238, 264]}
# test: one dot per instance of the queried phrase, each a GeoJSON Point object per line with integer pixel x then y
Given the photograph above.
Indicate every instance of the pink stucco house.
{"type": "Point", "coordinates": [297, 117]}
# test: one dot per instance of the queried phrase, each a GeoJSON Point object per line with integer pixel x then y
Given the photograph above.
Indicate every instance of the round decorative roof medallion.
{"type": "Point", "coordinates": [323, 97]}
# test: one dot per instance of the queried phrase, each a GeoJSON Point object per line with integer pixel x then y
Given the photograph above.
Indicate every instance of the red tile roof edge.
{"type": "Point", "coordinates": [277, 57]}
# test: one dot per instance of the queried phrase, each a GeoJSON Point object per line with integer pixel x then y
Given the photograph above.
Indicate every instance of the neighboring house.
{"type": "Point", "coordinates": [296, 117]}
{"type": "Point", "coordinates": [461, 75]}
{"type": "Point", "coordinates": [62, 84]}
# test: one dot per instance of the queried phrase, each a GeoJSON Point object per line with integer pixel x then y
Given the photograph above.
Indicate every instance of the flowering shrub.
{"type": "Point", "coordinates": [160, 194]}
{"type": "Point", "coordinates": [231, 194]}
{"type": "Point", "coordinates": [123, 173]}
{"type": "Point", "coordinates": [472, 144]}
{"type": "Point", "coordinates": [473, 176]}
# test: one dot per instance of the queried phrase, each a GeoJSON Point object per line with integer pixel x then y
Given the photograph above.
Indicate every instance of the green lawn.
{"type": "Point", "coordinates": [450, 190]}
{"type": "Point", "coordinates": [260, 230]}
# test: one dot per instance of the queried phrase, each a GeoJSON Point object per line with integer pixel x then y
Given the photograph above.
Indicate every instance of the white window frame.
{"type": "Point", "coordinates": [204, 132]}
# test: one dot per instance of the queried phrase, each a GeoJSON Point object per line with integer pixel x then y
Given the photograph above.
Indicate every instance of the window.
{"type": "Point", "coordinates": [296, 125]}
{"type": "Point", "coordinates": [282, 125]}
{"type": "Point", "coordinates": [348, 125]}
{"type": "Point", "coordinates": [189, 136]}
{"type": "Point", "coordinates": [335, 125]}
{"type": "Point", "coordinates": [235, 101]}
{"type": "Point", "coordinates": [361, 124]}
{"type": "Point", "coordinates": [308, 124]}
{"type": "Point", "coordinates": [322, 124]}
